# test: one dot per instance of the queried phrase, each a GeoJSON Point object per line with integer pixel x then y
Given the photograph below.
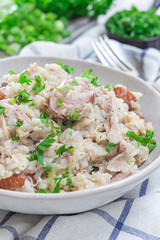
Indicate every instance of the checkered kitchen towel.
{"type": "Point", "coordinates": [134, 216]}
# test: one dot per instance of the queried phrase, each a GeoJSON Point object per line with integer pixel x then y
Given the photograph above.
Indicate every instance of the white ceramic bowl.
{"type": "Point", "coordinates": [79, 201]}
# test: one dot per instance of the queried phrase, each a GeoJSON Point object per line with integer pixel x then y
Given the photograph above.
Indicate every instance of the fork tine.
{"type": "Point", "coordinates": [99, 54]}
{"type": "Point", "coordinates": [100, 51]}
{"type": "Point", "coordinates": [122, 61]}
{"type": "Point", "coordinates": [112, 55]}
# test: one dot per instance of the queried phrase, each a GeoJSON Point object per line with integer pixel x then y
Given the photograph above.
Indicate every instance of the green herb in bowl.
{"type": "Point", "coordinates": [135, 24]}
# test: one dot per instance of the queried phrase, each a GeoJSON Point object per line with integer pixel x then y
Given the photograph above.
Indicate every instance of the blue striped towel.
{"type": "Point", "coordinates": [134, 216]}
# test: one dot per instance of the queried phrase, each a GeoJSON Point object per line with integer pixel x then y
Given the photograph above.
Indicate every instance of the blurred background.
{"type": "Point", "coordinates": [25, 21]}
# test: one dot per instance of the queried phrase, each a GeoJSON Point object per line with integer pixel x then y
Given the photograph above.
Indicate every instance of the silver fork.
{"type": "Point", "coordinates": [108, 56]}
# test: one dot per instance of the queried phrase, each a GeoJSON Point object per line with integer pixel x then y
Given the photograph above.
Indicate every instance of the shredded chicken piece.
{"type": "Point", "coordinates": [121, 176]}
{"type": "Point", "coordinates": [118, 162]}
{"type": "Point", "coordinates": [112, 121]}
{"type": "Point", "coordinates": [21, 115]}
{"type": "Point", "coordinates": [7, 148]}
{"type": "Point", "coordinates": [4, 127]}
{"type": "Point", "coordinates": [75, 99]}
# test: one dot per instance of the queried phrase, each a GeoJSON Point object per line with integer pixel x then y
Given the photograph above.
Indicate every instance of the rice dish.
{"type": "Point", "coordinates": [61, 134]}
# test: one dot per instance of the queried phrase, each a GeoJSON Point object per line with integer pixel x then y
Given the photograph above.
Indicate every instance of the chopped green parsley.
{"type": "Point", "coordinates": [32, 105]}
{"type": "Point", "coordinates": [46, 143]}
{"type": "Point", "coordinates": [41, 191]}
{"type": "Point", "coordinates": [1, 109]}
{"type": "Point", "coordinates": [23, 97]}
{"type": "Point", "coordinates": [25, 78]}
{"type": "Point", "coordinates": [144, 140]}
{"type": "Point", "coordinates": [108, 86]}
{"type": "Point", "coordinates": [12, 101]}
{"type": "Point", "coordinates": [47, 169]}
{"type": "Point", "coordinates": [76, 117]}
{"type": "Point", "coordinates": [62, 149]}
{"type": "Point", "coordinates": [44, 118]}
{"type": "Point", "coordinates": [59, 101]}
{"type": "Point", "coordinates": [18, 124]}
{"type": "Point", "coordinates": [12, 72]}
{"type": "Point", "coordinates": [32, 158]}
{"type": "Point", "coordinates": [69, 182]}
{"type": "Point", "coordinates": [74, 82]}
{"type": "Point", "coordinates": [65, 67]}
{"type": "Point", "coordinates": [70, 133]}
{"type": "Point", "coordinates": [66, 88]}
{"type": "Point", "coordinates": [56, 128]}
{"type": "Point", "coordinates": [88, 74]}
{"type": "Point", "coordinates": [110, 146]}
{"type": "Point", "coordinates": [15, 138]}
{"type": "Point", "coordinates": [59, 179]}
{"type": "Point", "coordinates": [94, 168]}
{"type": "Point", "coordinates": [39, 86]}
{"type": "Point", "coordinates": [72, 149]}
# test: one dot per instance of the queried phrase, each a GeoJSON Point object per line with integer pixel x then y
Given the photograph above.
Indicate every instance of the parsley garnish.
{"type": "Point", "coordinates": [69, 182]}
{"type": "Point", "coordinates": [18, 124]}
{"type": "Point", "coordinates": [46, 143]}
{"type": "Point", "coordinates": [23, 96]}
{"type": "Point", "coordinates": [39, 86]}
{"type": "Point", "coordinates": [70, 133]}
{"type": "Point", "coordinates": [12, 101]}
{"type": "Point", "coordinates": [44, 118]}
{"type": "Point", "coordinates": [59, 179]}
{"type": "Point", "coordinates": [1, 109]}
{"type": "Point", "coordinates": [110, 146]}
{"type": "Point", "coordinates": [56, 128]}
{"type": "Point", "coordinates": [94, 168]}
{"type": "Point", "coordinates": [62, 149]}
{"type": "Point", "coordinates": [32, 158]}
{"type": "Point", "coordinates": [88, 74]}
{"type": "Point", "coordinates": [25, 78]}
{"type": "Point", "coordinates": [66, 88]}
{"type": "Point", "coordinates": [72, 149]}
{"type": "Point", "coordinates": [65, 67]}
{"type": "Point", "coordinates": [59, 101]}
{"type": "Point", "coordinates": [12, 72]}
{"type": "Point", "coordinates": [41, 191]}
{"type": "Point", "coordinates": [10, 156]}
{"type": "Point", "coordinates": [15, 138]}
{"type": "Point", "coordinates": [108, 86]}
{"type": "Point", "coordinates": [69, 122]}
{"type": "Point", "coordinates": [76, 116]}
{"type": "Point", "coordinates": [32, 105]}
{"type": "Point", "coordinates": [144, 141]}
{"type": "Point", "coordinates": [47, 169]}
{"type": "Point", "coordinates": [74, 82]}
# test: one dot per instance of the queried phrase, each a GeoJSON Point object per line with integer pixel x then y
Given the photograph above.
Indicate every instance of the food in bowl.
{"type": "Point", "coordinates": [60, 133]}
{"type": "Point", "coordinates": [135, 24]}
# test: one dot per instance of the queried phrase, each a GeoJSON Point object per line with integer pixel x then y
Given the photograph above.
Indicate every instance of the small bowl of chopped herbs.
{"type": "Point", "coordinates": [134, 27]}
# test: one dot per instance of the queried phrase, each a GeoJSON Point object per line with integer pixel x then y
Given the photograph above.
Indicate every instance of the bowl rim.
{"type": "Point", "coordinates": [152, 39]}
{"type": "Point", "coordinates": [137, 177]}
